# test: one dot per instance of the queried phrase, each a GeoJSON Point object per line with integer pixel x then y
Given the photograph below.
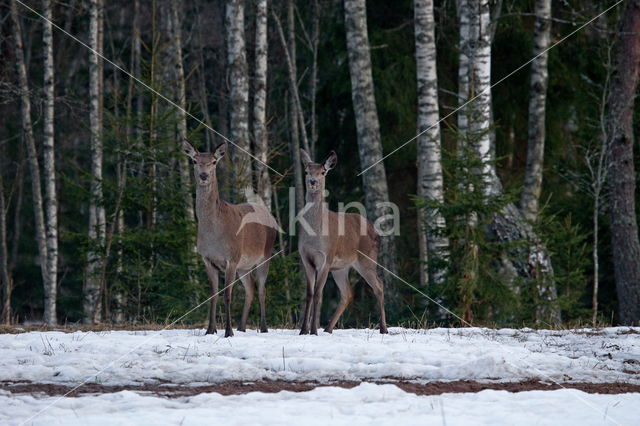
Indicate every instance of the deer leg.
{"type": "Point", "coordinates": [229, 278]}
{"type": "Point", "coordinates": [261, 278]}
{"type": "Point", "coordinates": [317, 298]}
{"type": "Point", "coordinates": [369, 273]}
{"type": "Point", "coordinates": [341, 278]}
{"type": "Point", "coordinates": [212, 273]}
{"type": "Point", "coordinates": [249, 294]}
{"type": "Point", "coordinates": [310, 274]}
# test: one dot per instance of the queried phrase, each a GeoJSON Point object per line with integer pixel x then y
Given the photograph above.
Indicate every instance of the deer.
{"type": "Point", "coordinates": [229, 243]}
{"type": "Point", "coordinates": [331, 242]}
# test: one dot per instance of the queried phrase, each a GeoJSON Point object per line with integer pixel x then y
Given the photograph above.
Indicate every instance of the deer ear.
{"type": "Point", "coordinates": [188, 149]}
{"type": "Point", "coordinates": [331, 161]}
{"type": "Point", "coordinates": [220, 151]}
{"type": "Point", "coordinates": [304, 156]}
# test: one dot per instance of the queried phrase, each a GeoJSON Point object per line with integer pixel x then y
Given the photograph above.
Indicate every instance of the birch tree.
{"type": "Point", "coordinates": [260, 136]}
{"type": "Point", "coordinates": [532, 186]}
{"type": "Point", "coordinates": [51, 199]}
{"type": "Point", "coordinates": [238, 90]}
{"type": "Point", "coordinates": [430, 186]}
{"type": "Point", "coordinates": [92, 291]}
{"type": "Point", "coordinates": [622, 175]}
{"type": "Point", "coordinates": [529, 261]}
{"type": "Point", "coordinates": [32, 155]}
{"type": "Point", "coordinates": [374, 179]}
{"type": "Point", "coordinates": [176, 53]}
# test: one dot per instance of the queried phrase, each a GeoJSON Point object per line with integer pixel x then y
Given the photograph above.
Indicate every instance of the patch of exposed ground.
{"type": "Point", "coordinates": [269, 386]}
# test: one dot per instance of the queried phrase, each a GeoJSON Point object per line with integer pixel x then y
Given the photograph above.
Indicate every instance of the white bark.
{"type": "Point", "coordinates": [32, 153]}
{"type": "Point", "coordinates": [537, 99]}
{"type": "Point", "coordinates": [176, 51]}
{"type": "Point", "coordinates": [238, 92]}
{"type": "Point", "coordinates": [260, 135]}
{"type": "Point", "coordinates": [97, 223]}
{"type": "Point", "coordinates": [51, 199]}
{"type": "Point", "coordinates": [508, 225]}
{"type": "Point", "coordinates": [368, 128]}
{"type": "Point", "coordinates": [479, 113]}
{"type": "Point", "coordinates": [430, 186]}
{"type": "Point", "coordinates": [463, 68]}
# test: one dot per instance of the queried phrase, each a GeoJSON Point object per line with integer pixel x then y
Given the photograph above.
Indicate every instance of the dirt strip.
{"type": "Point", "coordinates": [269, 386]}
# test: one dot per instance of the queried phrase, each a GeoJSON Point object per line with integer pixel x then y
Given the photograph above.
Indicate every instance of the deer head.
{"type": "Point", "coordinates": [204, 163]}
{"type": "Point", "coordinates": [316, 173]}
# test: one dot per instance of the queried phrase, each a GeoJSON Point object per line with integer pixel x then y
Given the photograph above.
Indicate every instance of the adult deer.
{"type": "Point", "coordinates": [228, 243]}
{"type": "Point", "coordinates": [334, 242]}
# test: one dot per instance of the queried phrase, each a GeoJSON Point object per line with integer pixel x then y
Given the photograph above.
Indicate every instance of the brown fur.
{"type": "Point", "coordinates": [227, 244]}
{"type": "Point", "coordinates": [330, 252]}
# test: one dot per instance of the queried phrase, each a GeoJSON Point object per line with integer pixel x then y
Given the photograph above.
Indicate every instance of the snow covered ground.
{"type": "Point", "coordinates": [366, 404]}
{"type": "Point", "coordinates": [188, 357]}
{"type": "Point", "coordinates": [192, 358]}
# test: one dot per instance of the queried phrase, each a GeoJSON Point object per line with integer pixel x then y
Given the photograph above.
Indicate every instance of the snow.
{"type": "Point", "coordinates": [189, 357]}
{"type": "Point", "coordinates": [365, 404]}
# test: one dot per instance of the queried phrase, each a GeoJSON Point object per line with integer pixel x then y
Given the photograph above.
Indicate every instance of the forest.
{"type": "Point", "coordinates": [501, 130]}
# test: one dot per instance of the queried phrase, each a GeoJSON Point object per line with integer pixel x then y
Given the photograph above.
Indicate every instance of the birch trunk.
{"type": "Point", "coordinates": [532, 186]}
{"type": "Point", "coordinates": [176, 50]}
{"type": "Point", "coordinates": [238, 93]}
{"type": "Point", "coordinates": [532, 261]}
{"type": "Point", "coordinates": [32, 154]}
{"type": "Point", "coordinates": [93, 286]}
{"type": "Point", "coordinates": [368, 129]}
{"type": "Point", "coordinates": [51, 199]}
{"type": "Point", "coordinates": [260, 135]}
{"type": "Point", "coordinates": [463, 69]}
{"type": "Point", "coordinates": [430, 186]}
{"type": "Point", "coordinates": [622, 177]}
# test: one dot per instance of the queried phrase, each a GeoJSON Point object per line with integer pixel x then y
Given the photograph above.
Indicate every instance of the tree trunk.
{"type": "Point", "coordinates": [291, 57]}
{"type": "Point", "coordinates": [430, 186]}
{"type": "Point", "coordinates": [176, 50]}
{"type": "Point", "coordinates": [463, 69]}
{"type": "Point", "coordinates": [202, 85]}
{"type": "Point", "coordinates": [622, 178]}
{"type": "Point", "coordinates": [32, 153]}
{"type": "Point", "coordinates": [51, 199]}
{"type": "Point", "coordinates": [97, 225]}
{"type": "Point", "coordinates": [537, 99]}
{"type": "Point", "coordinates": [313, 78]}
{"type": "Point", "coordinates": [508, 226]}
{"type": "Point", "coordinates": [238, 94]}
{"type": "Point", "coordinates": [260, 136]}
{"type": "Point", "coordinates": [5, 274]}
{"type": "Point", "coordinates": [292, 110]}
{"type": "Point", "coordinates": [368, 129]}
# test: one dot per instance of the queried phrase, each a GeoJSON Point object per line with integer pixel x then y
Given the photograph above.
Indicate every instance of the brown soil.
{"type": "Point", "coordinates": [236, 388]}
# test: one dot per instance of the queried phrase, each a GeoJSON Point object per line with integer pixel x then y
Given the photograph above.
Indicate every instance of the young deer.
{"type": "Point", "coordinates": [335, 243]}
{"type": "Point", "coordinates": [227, 243]}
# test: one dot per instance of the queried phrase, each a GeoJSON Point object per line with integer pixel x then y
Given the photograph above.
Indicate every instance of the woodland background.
{"type": "Point", "coordinates": [96, 199]}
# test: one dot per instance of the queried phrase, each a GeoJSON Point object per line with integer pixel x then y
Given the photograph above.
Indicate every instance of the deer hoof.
{"type": "Point", "coordinates": [211, 331]}
{"type": "Point", "coordinates": [383, 330]}
{"type": "Point", "coordinates": [304, 331]}
{"type": "Point", "coordinates": [328, 330]}
{"type": "Point", "coordinates": [228, 333]}
{"type": "Point", "coordinates": [243, 329]}
{"type": "Point", "coordinates": [264, 330]}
